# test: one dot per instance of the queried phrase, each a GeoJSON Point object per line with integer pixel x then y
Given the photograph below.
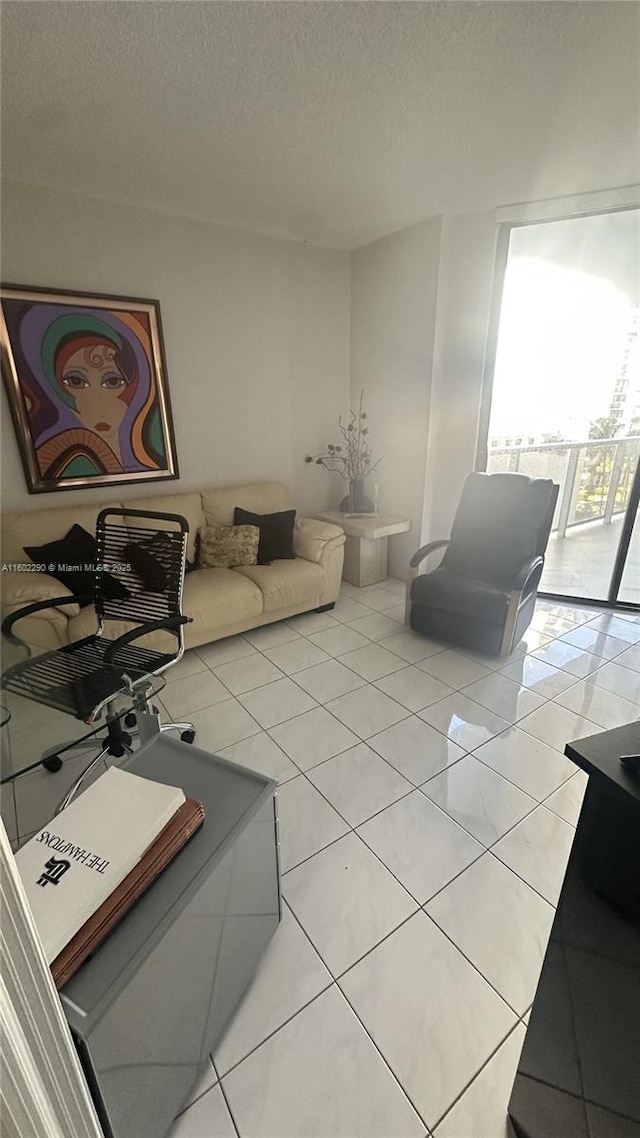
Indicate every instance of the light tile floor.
{"type": "Point", "coordinates": [426, 816]}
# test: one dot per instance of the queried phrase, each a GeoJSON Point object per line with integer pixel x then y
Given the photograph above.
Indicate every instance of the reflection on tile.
{"type": "Point", "coordinates": [454, 669]}
{"type": "Point", "coordinates": [553, 624]}
{"type": "Point", "coordinates": [319, 1066]}
{"type": "Point", "coordinates": [436, 1034]}
{"type": "Point", "coordinates": [207, 1079]}
{"type": "Point", "coordinates": [478, 799]}
{"type": "Point", "coordinates": [630, 658]}
{"type": "Point", "coordinates": [540, 677]}
{"type": "Point", "coordinates": [528, 762]}
{"type": "Point", "coordinates": [569, 657]}
{"type": "Point", "coordinates": [373, 662]}
{"type": "Point", "coordinates": [415, 749]}
{"type": "Point", "coordinates": [209, 1115]}
{"type": "Point", "coordinates": [223, 651]}
{"type": "Point", "coordinates": [482, 1110]}
{"type": "Point", "coordinates": [297, 655]}
{"type": "Point", "coordinates": [223, 724]}
{"type": "Point", "coordinates": [192, 694]}
{"type": "Point", "coordinates": [307, 822]}
{"type": "Point", "coordinates": [537, 849]}
{"type": "Point", "coordinates": [620, 679]}
{"type": "Point", "coordinates": [468, 723]}
{"type": "Point", "coordinates": [508, 952]}
{"type": "Point", "coordinates": [557, 726]}
{"type": "Point", "coordinates": [276, 702]}
{"type": "Point", "coordinates": [420, 844]}
{"type": "Point", "coordinates": [504, 697]}
{"type": "Point", "coordinates": [412, 647]}
{"type": "Point", "coordinates": [251, 672]}
{"type": "Point", "coordinates": [289, 975]}
{"type": "Point", "coordinates": [260, 753]}
{"type": "Point", "coordinates": [567, 801]}
{"type": "Point", "coordinates": [336, 641]}
{"type": "Point", "coordinates": [617, 627]}
{"type": "Point", "coordinates": [346, 901]}
{"type": "Point", "coordinates": [328, 681]}
{"type": "Point", "coordinates": [359, 783]}
{"type": "Point", "coordinates": [601, 707]}
{"type": "Point", "coordinates": [313, 737]}
{"type": "Point", "coordinates": [592, 640]}
{"type": "Point", "coordinates": [413, 688]}
{"type": "Point", "coordinates": [367, 711]}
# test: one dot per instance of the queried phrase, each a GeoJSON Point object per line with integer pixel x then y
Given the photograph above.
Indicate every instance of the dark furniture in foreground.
{"type": "Point", "coordinates": [483, 593]}
{"type": "Point", "coordinates": [152, 1003]}
{"type": "Point", "coordinates": [579, 1072]}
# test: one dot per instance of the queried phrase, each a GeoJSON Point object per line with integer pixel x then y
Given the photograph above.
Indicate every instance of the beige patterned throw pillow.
{"type": "Point", "coordinates": [225, 547]}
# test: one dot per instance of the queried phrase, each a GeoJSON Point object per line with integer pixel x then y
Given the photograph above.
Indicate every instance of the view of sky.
{"type": "Point", "coordinates": [571, 292]}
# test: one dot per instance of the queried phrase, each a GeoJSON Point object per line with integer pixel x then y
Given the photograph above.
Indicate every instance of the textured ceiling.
{"type": "Point", "coordinates": [334, 123]}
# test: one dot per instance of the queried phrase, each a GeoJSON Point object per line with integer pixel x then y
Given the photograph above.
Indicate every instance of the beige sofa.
{"type": "Point", "coordinates": [221, 602]}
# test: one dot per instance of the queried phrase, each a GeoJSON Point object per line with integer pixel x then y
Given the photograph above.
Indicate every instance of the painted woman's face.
{"type": "Point", "coordinates": [92, 376]}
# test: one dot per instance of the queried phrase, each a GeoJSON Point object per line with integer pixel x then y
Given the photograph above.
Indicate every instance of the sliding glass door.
{"type": "Point", "coordinates": [562, 396]}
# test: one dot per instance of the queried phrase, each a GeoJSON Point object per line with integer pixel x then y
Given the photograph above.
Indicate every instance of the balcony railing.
{"type": "Point", "coordinates": [595, 476]}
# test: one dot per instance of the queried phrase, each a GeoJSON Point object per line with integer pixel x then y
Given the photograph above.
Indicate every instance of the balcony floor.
{"type": "Point", "coordinates": [580, 564]}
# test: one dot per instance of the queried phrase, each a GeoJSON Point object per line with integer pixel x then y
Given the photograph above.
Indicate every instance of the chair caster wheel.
{"type": "Point", "coordinates": [187, 736]}
{"type": "Point", "coordinates": [130, 719]}
{"type": "Point", "coordinates": [52, 763]}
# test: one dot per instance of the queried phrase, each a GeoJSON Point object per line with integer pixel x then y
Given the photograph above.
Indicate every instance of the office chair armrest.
{"type": "Point", "coordinates": [426, 550]}
{"type": "Point", "coordinates": [168, 624]}
{"type": "Point", "coordinates": [38, 606]}
{"type": "Point", "coordinates": [528, 571]}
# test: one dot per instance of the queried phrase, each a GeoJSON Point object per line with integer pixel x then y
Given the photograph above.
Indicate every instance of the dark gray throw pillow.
{"type": "Point", "coordinates": [276, 533]}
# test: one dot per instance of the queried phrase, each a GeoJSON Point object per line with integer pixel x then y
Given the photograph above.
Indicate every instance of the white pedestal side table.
{"type": "Point", "coordinates": [366, 546]}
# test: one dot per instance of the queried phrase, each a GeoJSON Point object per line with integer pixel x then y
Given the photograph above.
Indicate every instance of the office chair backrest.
{"type": "Point", "coordinates": [502, 521]}
{"type": "Point", "coordinates": [144, 565]}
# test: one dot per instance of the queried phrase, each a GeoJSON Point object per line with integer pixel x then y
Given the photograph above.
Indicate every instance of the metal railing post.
{"type": "Point", "coordinates": [567, 491]}
{"type": "Point", "coordinates": [616, 471]}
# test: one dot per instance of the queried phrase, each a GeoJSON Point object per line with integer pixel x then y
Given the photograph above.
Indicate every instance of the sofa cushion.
{"type": "Point", "coordinates": [69, 560]}
{"type": "Point", "coordinates": [259, 497]}
{"type": "Point", "coordinates": [276, 533]}
{"type": "Point", "coordinates": [36, 527]}
{"type": "Point", "coordinates": [189, 506]}
{"type": "Point", "coordinates": [286, 584]}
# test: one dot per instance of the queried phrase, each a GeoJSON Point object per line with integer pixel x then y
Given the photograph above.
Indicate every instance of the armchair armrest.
{"type": "Point", "coordinates": [37, 606]}
{"type": "Point", "coordinates": [312, 537]}
{"type": "Point", "coordinates": [426, 550]}
{"type": "Point", "coordinates": [169, 624]}
{"type": "Point", "coordinates": [529, 575]}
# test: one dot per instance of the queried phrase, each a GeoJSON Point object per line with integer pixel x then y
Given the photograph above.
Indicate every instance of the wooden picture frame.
{"type": "Point", "coordinates": [86, 379]}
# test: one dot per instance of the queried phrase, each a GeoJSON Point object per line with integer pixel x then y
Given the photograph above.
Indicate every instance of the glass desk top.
{"type": "Point", "coordinates": [23, 719]}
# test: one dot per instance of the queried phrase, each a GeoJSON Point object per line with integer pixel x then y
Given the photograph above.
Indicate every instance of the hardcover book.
{"type": "Point", "coordinates": [79, 858]}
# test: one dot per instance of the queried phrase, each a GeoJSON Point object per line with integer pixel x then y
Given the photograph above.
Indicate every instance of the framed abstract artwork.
{"type": "Point", "coordinates": [87, 385]}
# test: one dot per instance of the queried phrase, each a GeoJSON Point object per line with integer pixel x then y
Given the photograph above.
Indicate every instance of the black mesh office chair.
{"type": "Point", "coordinates": [138, 579]}
{"type": "Point", "coordinates": [483, 593]}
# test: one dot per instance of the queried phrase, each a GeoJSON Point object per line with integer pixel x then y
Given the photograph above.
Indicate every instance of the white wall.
{"type": "Point", "coordinates": [394, 295]}
{"type": "Point", "coordinates": [257, 335]}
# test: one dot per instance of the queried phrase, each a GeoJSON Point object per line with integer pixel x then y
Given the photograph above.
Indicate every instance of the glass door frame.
{"type": "Point", "coordinates": [488, 371]}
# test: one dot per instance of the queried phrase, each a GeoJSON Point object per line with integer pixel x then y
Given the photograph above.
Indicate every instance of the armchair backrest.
{"type": "Point", "coordinates": [502, 521]}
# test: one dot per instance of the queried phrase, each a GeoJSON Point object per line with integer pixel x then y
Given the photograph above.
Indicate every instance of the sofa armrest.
{"type": "Point", "coordinates": [312, 538]}
{"type": "Point", "coordinates": [21, 589]}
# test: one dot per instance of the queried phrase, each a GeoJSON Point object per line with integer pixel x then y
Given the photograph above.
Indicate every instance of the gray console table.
{"type": "Point", "coordinates": [152, 1003]}
{"type": "Point", "coordinates": [367, 544]}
